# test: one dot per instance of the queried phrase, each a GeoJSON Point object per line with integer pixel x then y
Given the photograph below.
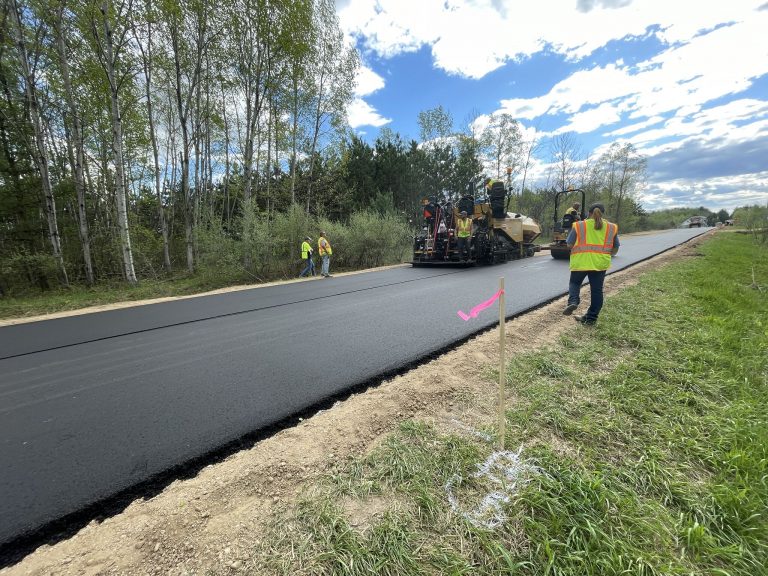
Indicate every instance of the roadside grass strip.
{"type": "Point", "coordinates": [644, 451]}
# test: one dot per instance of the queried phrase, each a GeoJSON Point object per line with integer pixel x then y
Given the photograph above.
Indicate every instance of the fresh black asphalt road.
{"type": "Point", "coordinates": [93, 404]}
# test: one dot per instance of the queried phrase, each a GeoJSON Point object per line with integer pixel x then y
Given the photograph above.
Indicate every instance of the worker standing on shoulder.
{"type": "Point", "coordinates": [463, 235]}
{"type": "Point", "coordinates": [592, 242]}
{"type": "Point", "coordinates": [325, 251]}
{"type": "Point", "coordinates": [306, 256]}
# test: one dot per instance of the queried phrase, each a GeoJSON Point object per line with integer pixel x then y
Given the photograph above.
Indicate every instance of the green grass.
{"type": "Point", "coordinates": [659, 463]}
{"type": "Point", "coordinates": [33, 303]}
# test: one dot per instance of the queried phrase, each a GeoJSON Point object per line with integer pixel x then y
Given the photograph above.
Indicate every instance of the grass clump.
{"type": "Point", "coordinates": [649, 431]}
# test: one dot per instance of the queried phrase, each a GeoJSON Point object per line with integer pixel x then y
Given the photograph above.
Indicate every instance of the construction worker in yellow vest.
{"type": "Point", "coordinates": [592, 242]}
{"type": "Point", "coordinates": [306, 256]}
{"type": "Point", "coordinates": [463, 235]}
{"type": "Point", "coordinates": [325, 251]}
{"type": "Point", "coordinates": [489, 182]}
{"type": "Point", "coordinates": [573, 211]}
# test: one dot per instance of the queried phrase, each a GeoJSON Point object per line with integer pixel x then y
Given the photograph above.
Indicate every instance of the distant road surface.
{"type": "Point", "coordinates": [95, 403]}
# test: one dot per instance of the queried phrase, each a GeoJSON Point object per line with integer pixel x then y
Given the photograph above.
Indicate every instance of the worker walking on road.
{"type": "Point", "coordinates": [306, 255]}
{"type": "Point", "coordinates": [463, 235]}
{"type": "Point", "coordinates": [325, 251]}
{"type": "Point", "coordinates": [592, 242]}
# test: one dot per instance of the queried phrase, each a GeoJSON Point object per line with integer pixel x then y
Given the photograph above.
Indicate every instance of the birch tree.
{"type": "Point", "coordinates": [565, 152]}
{"type": "Point", "coordinates": [75, 140]}
{"type": "Point", "coordinates": [502, 143]}
{"type": "Point", "coordinates": [188, 27]}
{"type": "Point", "coordinates": [38, 147]}
{"type": "Point", "coordinates": [110, 44]}
{"type": "Point", "coordinates": [145, 45]}
{"type": "Point", "coordinates": [334, 65]}
{"type": "Point", "coordinates": [624, 170]}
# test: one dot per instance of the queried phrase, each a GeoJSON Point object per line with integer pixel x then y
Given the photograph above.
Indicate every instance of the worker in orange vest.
{"type": "Point", "coordinates": [592, 242]}
{"type": "Point", "coordinates": [325, 251]}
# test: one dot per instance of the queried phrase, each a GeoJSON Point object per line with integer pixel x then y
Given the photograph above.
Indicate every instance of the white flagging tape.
{"type": "Point", "coordinates": [504, 469]}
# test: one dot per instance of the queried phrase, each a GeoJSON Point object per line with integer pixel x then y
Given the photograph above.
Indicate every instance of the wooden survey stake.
{"type": "Point", "coordinates": [502, 362]}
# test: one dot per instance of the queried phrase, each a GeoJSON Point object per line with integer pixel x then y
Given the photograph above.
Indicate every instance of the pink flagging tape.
{"type": "Point", "coordinates": [480, 307]}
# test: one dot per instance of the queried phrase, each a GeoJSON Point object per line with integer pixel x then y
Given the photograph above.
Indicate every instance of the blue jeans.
{"type": "Point", "coordinates": [326, 264]}
{"type": "Point", "coordinates": [308, 269]}
{"type": "Point", "coordinates": [596, 280]}
{"type": "Point", "coordinates": [462, 246]}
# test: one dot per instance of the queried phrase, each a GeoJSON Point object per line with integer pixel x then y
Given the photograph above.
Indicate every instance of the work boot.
{"type": "Point", "coordinates": [569, 309]}
{"type": "Point", "coordinates": [584, 320]}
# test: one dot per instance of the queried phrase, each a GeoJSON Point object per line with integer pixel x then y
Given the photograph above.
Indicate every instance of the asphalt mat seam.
{"type": "Point", "coordinates": [225, 315]}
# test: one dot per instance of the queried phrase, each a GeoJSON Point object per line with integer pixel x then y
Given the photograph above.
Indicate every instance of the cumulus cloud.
{"type": "Point", "coordinates": [673, 105]}
{"type": "Point", "coordinates": [715, 193]}
{"type": "Point", "coordinates": [703, 159]}
{"type": "Point", "coordinates": [367, 82]}
{"type": "Point", "coordinates": [680, 78]}
{"type": "Point", "coordinates": [587, 5]}
{"type": "Point", "coordinates": [474, 37]}
{"type": "Point", "coordinates": [361, 113]}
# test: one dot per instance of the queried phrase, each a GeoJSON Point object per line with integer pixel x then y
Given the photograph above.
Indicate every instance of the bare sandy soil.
{"type": "Point", "coordinates": [213, 521]}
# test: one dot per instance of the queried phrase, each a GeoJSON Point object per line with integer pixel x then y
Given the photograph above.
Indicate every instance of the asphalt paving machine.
{"type": "Point", "coordinates": [497, 235]}
{"type": "Point", "coordinates": [563, 223]}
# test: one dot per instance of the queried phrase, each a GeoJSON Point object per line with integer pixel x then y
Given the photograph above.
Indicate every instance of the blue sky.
{"type": "Point", "coordinates": [685, 81]}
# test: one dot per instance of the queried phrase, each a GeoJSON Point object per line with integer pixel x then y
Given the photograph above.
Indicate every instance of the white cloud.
{"type": "Point", "coordinates": [682, 78]}
{"type": "Point", "coordinates": [473, 37]}
{"type": "Point", "coordinates": [592, 119]}
{"type": "Point", "coordinates": [367, 82]}
{"type": "Point", "coordinates": [635, 127]}
{"type": "Point", "coordinates": [713, 51]}
{"type": "Point", "coordinates": [360, 113]}
{"type": "Point", "coordinates": [714, 193]}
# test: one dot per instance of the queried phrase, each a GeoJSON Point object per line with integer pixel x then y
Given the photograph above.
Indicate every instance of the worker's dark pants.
{"type": "Point", "coordinates": [596, 280]}
{"type": "Point", "coordinates": [462, 245]}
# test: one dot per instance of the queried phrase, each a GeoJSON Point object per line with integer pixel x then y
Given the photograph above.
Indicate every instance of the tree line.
{"type": "Point", "coordinates": [140, 138]}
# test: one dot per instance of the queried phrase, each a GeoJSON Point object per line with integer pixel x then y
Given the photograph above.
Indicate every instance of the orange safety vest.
{"type": "Point", "coordinates": [464, 228]}
{"type": "Point", "coordinates": [592, 250]}
{"type": "Point", "coordinates": [324, 247]}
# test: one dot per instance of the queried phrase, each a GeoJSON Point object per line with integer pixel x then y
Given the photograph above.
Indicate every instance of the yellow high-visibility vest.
{"type": "Point", "coordinates": [324, 247]}
{"type": "Point", "coordinates": [592, 250]}
{"type": "Point", "coordinates": [464, 227]}
{"type": "Point", "coordinates": [305, 250]}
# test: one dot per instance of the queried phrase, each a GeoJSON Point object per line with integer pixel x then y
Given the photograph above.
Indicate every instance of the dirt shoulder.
{"type": "Point", "coordinates": [212, 522]}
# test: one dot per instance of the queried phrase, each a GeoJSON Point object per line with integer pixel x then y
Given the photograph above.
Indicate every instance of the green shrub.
{"type": "Point", "coordinates": [22, 269]}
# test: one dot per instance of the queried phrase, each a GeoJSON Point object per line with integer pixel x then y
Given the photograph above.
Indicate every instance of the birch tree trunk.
{"type": "Point", "coordinates": [108, 63]}
{"type": "Point", "coordinates": [146, 58]}
{"type": "Point", "coordinates": [226, 153]}
{"type": "Point", "coordinates": [182, 111]}
{"type": "Point", "coordinates": [75, 147]}
{"type": "Point", "coordinates": [39, 151]}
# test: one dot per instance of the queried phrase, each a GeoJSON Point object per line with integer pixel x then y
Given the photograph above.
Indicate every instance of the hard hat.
{"type": "Point", "coordinates": [597, 205]}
